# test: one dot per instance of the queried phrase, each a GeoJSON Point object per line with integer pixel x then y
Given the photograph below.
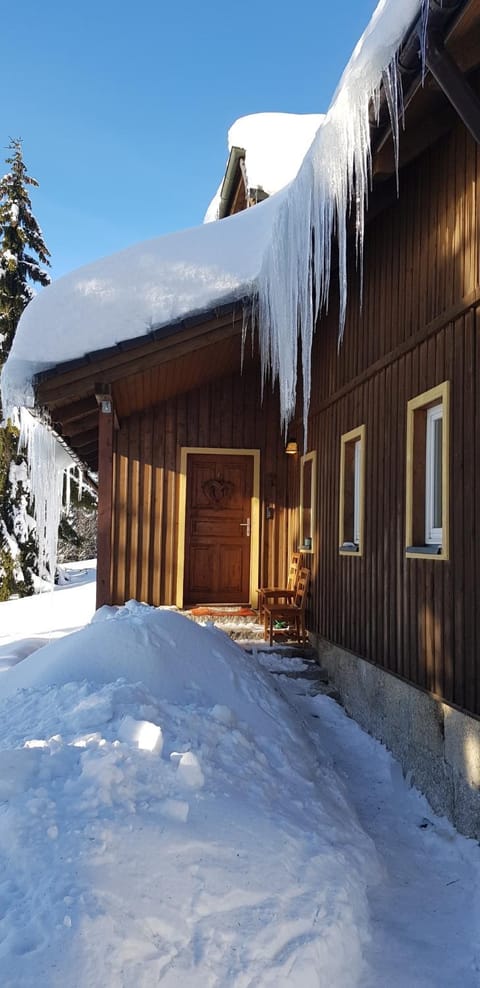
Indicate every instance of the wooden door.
{"type": "Point", "coordinates": [217, 532]}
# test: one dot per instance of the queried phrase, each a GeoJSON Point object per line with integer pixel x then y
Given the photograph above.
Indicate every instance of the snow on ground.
{"type": "Point", "coordinates": [425, 910]}
{"type": "Point", "coordinates": [170, 826]}
{"type": "Point", "coordinates": [172, 812]}
{"type": "Point", "coordinates": [25, 627]}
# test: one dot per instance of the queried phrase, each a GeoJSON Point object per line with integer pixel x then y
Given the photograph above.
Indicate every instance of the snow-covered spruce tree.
{"type": "Point", "coordinates": [23, 255]}
{"type": "Point", "coordinates": [18, 547]}
{"type": "Point", "coordinates": [22, 247]}
{"type": "Point", "coordinates": [77, 533]}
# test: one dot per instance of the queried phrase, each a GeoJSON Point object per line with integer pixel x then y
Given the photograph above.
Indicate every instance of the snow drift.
{"type": "Point", "coordinates": [172, 826]}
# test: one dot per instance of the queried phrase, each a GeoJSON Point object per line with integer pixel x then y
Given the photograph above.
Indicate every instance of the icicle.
{"type": "Point", "coordinates": [392, 88]}
{"type": "Point", "coordinates": [294, 282]}
{"type": "Point", "coordinates": [47, 462]}
{"type": "Point", "coordinates": [79, 484]}
{"type": "Point", "coordinates": [423, 34]}
{"type": "Point", "coordinates": [68, 477]}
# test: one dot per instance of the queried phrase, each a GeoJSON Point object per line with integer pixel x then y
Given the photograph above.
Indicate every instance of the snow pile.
{"type": "Point", "coordinates": [275, 145]}
{"type": "Point", "coordinates": [173, 826]}
{"type": "Point", "coordinates": [149, 841]}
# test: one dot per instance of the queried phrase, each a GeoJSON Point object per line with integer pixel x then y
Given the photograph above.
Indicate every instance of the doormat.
{"type": "Point", "coordinates": [223, 612]}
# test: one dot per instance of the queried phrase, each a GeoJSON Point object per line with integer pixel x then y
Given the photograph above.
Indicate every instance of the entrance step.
{"type": "Point", "coordinates": [306, 652]}
{"type": "Point", "coordinates": [311, 671]}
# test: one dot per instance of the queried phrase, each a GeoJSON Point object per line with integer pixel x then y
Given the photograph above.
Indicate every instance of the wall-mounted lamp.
{"type": "Point", "coordinates": [292, 446]}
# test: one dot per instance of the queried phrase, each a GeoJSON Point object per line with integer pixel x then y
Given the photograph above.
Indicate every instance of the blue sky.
{"type": "Point", "coordinates": [124, 108]}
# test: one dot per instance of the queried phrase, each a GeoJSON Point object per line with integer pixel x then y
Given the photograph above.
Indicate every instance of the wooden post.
{"type": "Point", "coordinates": [105, 498]}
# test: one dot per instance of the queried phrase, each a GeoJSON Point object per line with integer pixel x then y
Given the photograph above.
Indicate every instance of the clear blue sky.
{"type": "Point", "coordinates": [124, 108]}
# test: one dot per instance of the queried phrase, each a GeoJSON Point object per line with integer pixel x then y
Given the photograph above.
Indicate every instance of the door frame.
{"type": "Point", "coordinates": [185, 452]}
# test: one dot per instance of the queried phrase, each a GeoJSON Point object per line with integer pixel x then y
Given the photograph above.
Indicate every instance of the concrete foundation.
{"type": "Point", "coordinates": [437, 746]}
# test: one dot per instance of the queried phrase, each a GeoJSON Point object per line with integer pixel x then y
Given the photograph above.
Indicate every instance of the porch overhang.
{"type": "Point", "coordinates": [141, 372]}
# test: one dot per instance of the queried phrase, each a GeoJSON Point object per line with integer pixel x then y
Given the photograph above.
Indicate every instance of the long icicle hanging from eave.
{"type": "Point", "coordinates": [294, 283]}
{"type": "Point", "coordinates": [47, 464]}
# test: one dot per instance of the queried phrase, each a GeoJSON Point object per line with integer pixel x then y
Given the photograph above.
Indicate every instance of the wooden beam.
{"type": "Point", "coordinates": [85, 439]}
{"type": "Point", "coordinates": [77, 426]}
{"type": "Point", "coordinates": [454, 84]}
{"type": "Point", "coordinates": [463, 41]}
{"type": "Point", "coordinates": [121, 363]}
{"type": "Point", "coordinates": [105, 504]}
{"type": "Point", "coordinates": [75, 410]}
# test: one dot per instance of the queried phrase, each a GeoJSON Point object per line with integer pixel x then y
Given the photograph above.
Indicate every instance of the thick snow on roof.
{"type": "Point", "coordinates": [267, 250]}
{"type": "Point", "coordinates": [275, 145]}
{"type": "Point", "coordinates": [139, 289]}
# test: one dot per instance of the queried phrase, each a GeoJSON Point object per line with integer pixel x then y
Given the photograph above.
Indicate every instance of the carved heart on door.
{"type": "Point", "coordinates": [218, 491]}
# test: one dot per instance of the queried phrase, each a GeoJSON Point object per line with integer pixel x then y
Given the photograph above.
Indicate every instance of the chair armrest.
{"type": "Point", "coordinates": [276, 593]}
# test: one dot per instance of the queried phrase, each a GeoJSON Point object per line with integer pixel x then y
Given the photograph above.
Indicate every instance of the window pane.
{"type": "Point", "coordinates": [433, 476]}
{"type": "Point", "coordinates": [437, 472]}
{"type": "Point", "coordinates": [307, 491]}
{"type": "Point", "coordinates": [356, 500]}
{"type": "Point", "coordinates": [351, 519]}
{"type": "Point", "coordinates": [307, 484]}
{"type": "Point", "coordinates": [349, 494]}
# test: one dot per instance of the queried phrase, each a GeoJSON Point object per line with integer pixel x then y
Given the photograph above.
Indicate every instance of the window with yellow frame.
{"type": "Point", "coordinates": [352, 486]}
{"type": "Point", "coordinates": [427, 500]}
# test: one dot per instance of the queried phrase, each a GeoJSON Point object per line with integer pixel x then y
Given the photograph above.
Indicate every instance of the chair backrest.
{"type": "Point", "coordinates": [302, 588]}
{"type": "Point", "coordinates": [293, 571]}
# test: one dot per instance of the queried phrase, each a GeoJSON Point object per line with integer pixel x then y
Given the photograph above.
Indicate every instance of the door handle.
{"type": "Point", "coordinates": [246, 524]}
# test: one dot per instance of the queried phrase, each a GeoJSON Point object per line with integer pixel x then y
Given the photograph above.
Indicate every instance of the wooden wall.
{"type": "Point", "coordinates": [419, 326]}
{"type": "Point", "coordinates": [146, 460]}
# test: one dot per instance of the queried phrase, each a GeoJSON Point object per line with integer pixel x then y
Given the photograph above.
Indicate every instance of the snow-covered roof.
{"type": "Point", "coordinates": [275, 145]}
{"type": "Point", "coordinates": [128, 294]}
{"type": "Point", "coordinates": [265, 251]}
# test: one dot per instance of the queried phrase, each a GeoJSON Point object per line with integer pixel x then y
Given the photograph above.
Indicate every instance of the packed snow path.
{"type": "Point", "coordinates": [425, 910]}
{"type": "Point", "coordinates": [205, 822]}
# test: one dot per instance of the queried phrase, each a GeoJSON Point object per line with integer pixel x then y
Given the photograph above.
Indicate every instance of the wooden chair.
{"type": "Point", "coordinates": [276, 594]}
{"type": "Point", "coordinates": [288, 619]}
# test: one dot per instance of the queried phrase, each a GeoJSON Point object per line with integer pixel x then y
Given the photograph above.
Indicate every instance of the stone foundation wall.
{"type": "Point", "coordinates": [437, 746]}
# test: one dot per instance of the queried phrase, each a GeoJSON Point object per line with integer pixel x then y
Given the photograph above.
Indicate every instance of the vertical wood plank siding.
{"type": "Point", "coordinates": [416, 618]}
{"type": "Point", "coordinates": [104, 520]}
{"type": "Point", "coordinates": [418, 326]}
{"type": "Point", "coordinates": [225, 414]}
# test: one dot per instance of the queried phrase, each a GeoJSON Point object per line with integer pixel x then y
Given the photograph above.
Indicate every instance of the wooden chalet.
{"type": "Point", "coordinates": [199, 501]}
